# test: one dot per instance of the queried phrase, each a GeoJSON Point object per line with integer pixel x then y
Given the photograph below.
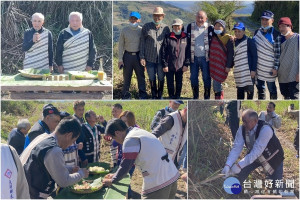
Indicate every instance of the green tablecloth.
{"type": "Point", "coordinates": [116, 191]}
{"type": "Point", "coordinates": [18, 80]}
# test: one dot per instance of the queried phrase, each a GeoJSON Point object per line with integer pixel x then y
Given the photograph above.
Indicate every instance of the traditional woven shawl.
{"type": "Point", "coordinates": [76, 51]}
{"type": "Point", "coordinates": [289, 60]}
{"type": "Point", "coordinates": [217, 61]}
{"type": "Point", "coordinates": [265, 60]}
{"type": "Point", "coordinates": [206, 46]}
{"type": "Point", "coordinates": [241, 70]}
{"type": "Point", "coordinates": [37, 56]}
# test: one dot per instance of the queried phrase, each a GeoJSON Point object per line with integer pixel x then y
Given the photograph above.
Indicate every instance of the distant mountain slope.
{"type": "Point", "coordinates": [121, 11]}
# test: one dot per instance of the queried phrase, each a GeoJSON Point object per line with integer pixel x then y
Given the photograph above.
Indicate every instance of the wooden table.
{"type": "Point", "coordinates": [22, 88]}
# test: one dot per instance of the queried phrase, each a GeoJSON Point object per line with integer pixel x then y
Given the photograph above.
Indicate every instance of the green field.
{"type": "Point", "coordinates": [12, 111]}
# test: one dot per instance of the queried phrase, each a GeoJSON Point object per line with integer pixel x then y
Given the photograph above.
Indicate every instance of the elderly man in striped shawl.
{"type": "Point", "coordinates": [245, 62]}
{"type": "Point", "coordinates": [75, 49]}
{"type": "Point", "coordinates": [267, 41]}
{"type": "Point", "coordinates": [288, 73]}
{"type": "Point", "coordinates": [37, 45]}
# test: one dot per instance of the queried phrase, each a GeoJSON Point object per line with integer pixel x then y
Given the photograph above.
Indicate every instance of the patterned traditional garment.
{"type": "Point", "coordinates": [241, 70]}
{"type": "Point", "coordinates": [37, 56]}
{"type": "Point", "coordinates": [217, 61]}
{"type": "Point", "coordinates": [206, 46]}
{"type": "Point", "coordinates": [76, 51]}
{"type": "Point", "coordinates": [265, 61]}
{"type": "Point", "coordinates": [289, 60]}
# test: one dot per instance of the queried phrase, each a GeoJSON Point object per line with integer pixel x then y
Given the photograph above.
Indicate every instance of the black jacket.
{"type": "Point", "coordinates": [17, 139]}
{"type": "Point", "coordinates": [175, 52]}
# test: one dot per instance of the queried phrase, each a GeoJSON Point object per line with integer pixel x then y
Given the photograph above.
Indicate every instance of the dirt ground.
{"type": "Point", "coordinates": [230, 91]}
{"type": "Point", "coordinates": [137, 179]}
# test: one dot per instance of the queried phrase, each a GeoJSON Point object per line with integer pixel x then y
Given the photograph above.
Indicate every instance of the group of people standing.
{"type": "Point", "coordinates": [255, 61]}
{"type": "Point", "coordinates": [74, 141]}
{"type": "Point", "coordinates": [75, 48]}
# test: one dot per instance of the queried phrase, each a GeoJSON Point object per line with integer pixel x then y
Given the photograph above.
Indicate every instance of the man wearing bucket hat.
{"type": "Point", "coordinates": [245, 61]}
{"type": "Point", "coordinates": [199, 36]}
{"type": "Point", "coordinates": [220, 57]}
{"type": "Point", "coordinates": [267, 41]}
{"type": "Point", "coordinates": [175, 58]}
{"type": "Point", "coordinates": [153, 34]}
{"type": "Point", "coordinates": [129, 50]}
{"type": "Point", "coordinates": [288, 73]}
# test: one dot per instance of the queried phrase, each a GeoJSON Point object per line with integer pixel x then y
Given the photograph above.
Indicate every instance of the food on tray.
{"type": "Point", "coordinates": [34, 73]}
{"type": "Point", "coordinates": [97, 169]}
{"type": "Point", "coordinates": [87, 186]}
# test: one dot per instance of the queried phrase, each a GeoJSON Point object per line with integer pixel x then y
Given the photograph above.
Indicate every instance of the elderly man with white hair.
{"type": "Point", "coordinates": [16, 137]}
{"type": "Point", "coordinates": [75, 50]}
{"type": "Point", "coordinates": [38, 45]}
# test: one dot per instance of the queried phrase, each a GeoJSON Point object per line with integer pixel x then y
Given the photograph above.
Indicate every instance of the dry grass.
{"type": "Point", "coordinates": [210, 142]}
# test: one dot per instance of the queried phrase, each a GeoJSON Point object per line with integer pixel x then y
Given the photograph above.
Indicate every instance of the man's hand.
{"type": "Point", "coordinates": [232, 38]}
{"type": "Point", "coordinates": [235, 169]}
{"type": "Point", "coordinates": [185, 68]}
{"type": "Point", "coordinates": [166, 69]}
{"type": "Point", "coordinates": [51, 69]}
{"type": "Point", "coordinates": [274, 72]}
{"type": "Point", "coordinates": [88, 68]}
{"type": "Point", "coordinates": [36, 37]}
{"type": "Point", "coordinates": [86, 173]}
{"type": "Point", "coordinates": [227, 70]}
{"type": "Point", "coordinates": [225, 171]}
{"type": "Point", "coordinates": [297, 78]}
{"type": "Point", "coordinates": [120, 63]}
{"type": "Point", "coordinates": [252, 74]}
{"type": "Point", "coordinates": [101, 119]}
{"type": "Point", "coordinates": [75, 169]}
{"type": "Point", "coordinates": [143, 62]}
{"type": "Point", "coordinates": [60, 69]}
{"type": "Point", "coordinates": [107, 181]}
{"type": "Point", "coordinates": [84, 163]}
{"type": "Point", "coordinates": [109, 176]}
{"type": "Point", "coordinates": [80, 146]}
{"type": "Point", "coordinates": [184, 177]}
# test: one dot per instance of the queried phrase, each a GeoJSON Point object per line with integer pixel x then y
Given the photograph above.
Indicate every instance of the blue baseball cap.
{"type": "Point", "coordinates": [267, 14]}
{"type": "Point", "coordinates": [179, 102]}
{"type": "Point", "coordinates": [239, 26]}
{"type": "Point", "coordinates": [135, 14]}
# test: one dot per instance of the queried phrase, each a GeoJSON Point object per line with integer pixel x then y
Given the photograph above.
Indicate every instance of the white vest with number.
{"type": "Point", "coordinates": [9, 174]}
{"type": "Point", "coordinates": [157, 173]}
{"type": "Point", "coordinates": [174, 139]}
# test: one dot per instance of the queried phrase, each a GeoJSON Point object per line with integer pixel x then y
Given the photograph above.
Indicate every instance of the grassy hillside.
{"type": "Point", "coordinates": [210, 142]}
{"type": "Point", "coordinates": [122, 9]}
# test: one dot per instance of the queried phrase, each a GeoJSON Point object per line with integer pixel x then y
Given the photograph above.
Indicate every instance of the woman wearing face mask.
{"type": "Point", "coordinates": [129, 60]}
{"type": "Point", "coordinates": [174, 58]}
{"type": "Point", "coordinates": [267, 41]}
{"type": "Point", "coordinates": [288, 72]}
{"type": "Point", "coordinates": [220, 57]}
{"type": "Point", "coordinates": [38, 45]}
